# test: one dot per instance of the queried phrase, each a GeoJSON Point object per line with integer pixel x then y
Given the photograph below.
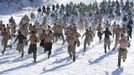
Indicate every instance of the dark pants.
{"type": "Point", "coordinates": [59, 36]}
{"type": "Point", "coordinates": [22, 54]}
{"type": "Point", "coordinates": [4, 42]}
{"type": "Point", "coordinates": [86, 41]}
{"type": "Point", "coordinates": [99, 35]}
{"type": "Point", "coordinates": [129, 35]}
{"type": "Point", "coordinates": [71, 52]}
{"type": "Point", "coordinates": [48, 47]}
{"type": "Point", "coordinates": [122, 54]}
{"type": "Point", "coordinates": [33, 49]}
{"type": "Point", "coordinates": [106, 44]}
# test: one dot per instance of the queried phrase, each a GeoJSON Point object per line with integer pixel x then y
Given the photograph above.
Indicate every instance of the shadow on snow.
{"type": "Point", "coordinates": [58, 51]}
{"type": "Point", "coordinates": [113, 51]}
{"type": "Point", "coordinates": [117, 71]}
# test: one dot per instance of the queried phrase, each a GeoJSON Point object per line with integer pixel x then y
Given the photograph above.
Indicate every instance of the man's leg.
{"type": "Point", "coordinates": [119, 59]}
{"type": "Point", "coordinates": [69, 52]}
{"type": "Point", "coordinates": [105, 46]}
{"type": "Point", "coordinates": [73, 52]}
{"type": "Point", "coordinates": [22, 54]}
{"type": "Point", "coordinates": [5, 45]}
{"type": "Point", "coordinates": [50, 48]}
{"type": "Point", "coordinates": [124, 54]}
{"type": "Point", "coordinates": [35, 54]}
{"type": "Point", "coordinates": [84, 46]}
{"type": "Point", "coordinates": [109, 44]}
{"type": "Point", "coordinates": [62, 36]}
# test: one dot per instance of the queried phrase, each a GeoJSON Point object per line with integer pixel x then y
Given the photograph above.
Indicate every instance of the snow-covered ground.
{"type": "Point", "coordinates": [93, 61]}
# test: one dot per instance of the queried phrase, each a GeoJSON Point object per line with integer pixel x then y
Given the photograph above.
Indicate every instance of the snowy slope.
{"type": "Point", "coordinates": [13, 6]}
{"type": "Point", "coordinates": [93, 61]}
